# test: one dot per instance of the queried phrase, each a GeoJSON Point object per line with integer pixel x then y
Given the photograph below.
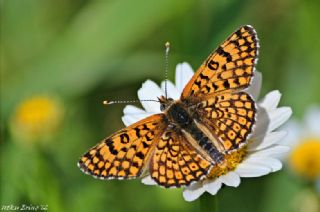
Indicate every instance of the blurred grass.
{"type": "Point", "coordinates": [87, 51]}
{"type": "Point", "coordinates": [92, 39]}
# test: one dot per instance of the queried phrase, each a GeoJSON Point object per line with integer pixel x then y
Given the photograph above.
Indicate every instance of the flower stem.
{"type": "Point", "coordinates": [208, 203]}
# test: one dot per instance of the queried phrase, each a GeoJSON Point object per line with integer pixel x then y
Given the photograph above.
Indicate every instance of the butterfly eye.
{"type": "Point", "coordinates": [162, 107]}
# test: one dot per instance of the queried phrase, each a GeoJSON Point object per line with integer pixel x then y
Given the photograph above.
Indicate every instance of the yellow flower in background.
{"type": "Point", "coordinates": [305, 159]}
{"type": "Point", "coordinates": [36, 118]}
{"type": "Point", "coordinates": [304, 139]}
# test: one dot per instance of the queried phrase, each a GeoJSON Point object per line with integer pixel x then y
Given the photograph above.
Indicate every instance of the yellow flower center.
{"type": "Point", "coordinates": [35, 117]}
{"type": "Point", "coordinates": [305, 158]}
{"type": "Point", "coordinates": [231, 162]}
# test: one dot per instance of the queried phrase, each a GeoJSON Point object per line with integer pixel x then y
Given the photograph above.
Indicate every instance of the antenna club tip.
{"type": "Point", "coordinates": [167, 44]}
{"type": "Point", "coordinates": [105, 102]}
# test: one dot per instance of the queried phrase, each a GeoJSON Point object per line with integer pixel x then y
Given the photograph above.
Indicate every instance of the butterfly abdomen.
{"type": "Point", "coordinates": [205, 143]}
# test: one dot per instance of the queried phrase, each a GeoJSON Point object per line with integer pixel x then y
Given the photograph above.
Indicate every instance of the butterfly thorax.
{"type": "Point", "coordinates": [183, 120]}
{"type": "Point", "coordinates": [176, 112]}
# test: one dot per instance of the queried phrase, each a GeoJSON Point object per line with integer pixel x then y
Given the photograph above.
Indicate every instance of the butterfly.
{"type": "Point", "coordinates": [212, 118]}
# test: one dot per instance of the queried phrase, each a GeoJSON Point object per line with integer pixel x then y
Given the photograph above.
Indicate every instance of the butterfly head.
{"type": "Point", "coordinates": [165, 103]}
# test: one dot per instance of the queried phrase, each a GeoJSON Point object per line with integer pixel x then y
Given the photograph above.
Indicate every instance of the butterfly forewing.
{"type": "Point", "coordinates": [229, 67]}
{"type": "Point", "coordinates": [176, 163]}
{"type": "Point", "coordinates": [222, 108]}
{"type": "Point", "coordinates": [125, 153]}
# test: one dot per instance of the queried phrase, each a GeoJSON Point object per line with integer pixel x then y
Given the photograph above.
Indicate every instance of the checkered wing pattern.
{"type": "Point", "coordinates": [230, 67]}
{"type": "Point", "coordinates": [230, 117]}
{"type": "Point", "coordinates": [176, 163]}
{"type": "Point", "coordinates": [126, 153]}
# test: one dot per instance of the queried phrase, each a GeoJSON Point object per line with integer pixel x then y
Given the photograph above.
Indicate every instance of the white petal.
{"type": "Point", "coordinates": [171, 89]}
{"type": "Point", "coordinates": [133, 114]}
{"type": "Point", "coordinates": [271, 151]}
{"type": "Point", "coordinates": [278, 117]}
{"type": "Point", "coordinates": [150, 90]}
{"type": "Point", "coordinates": [275, 164]}
{"type": "Point", "coordinates": [271, 100]}
{"type": "Point", "coordinates": [262, 122]}
{"type": "Point", "coordinates": [312, 120]}
{"type": "Point", "coordinates": [266, 140]}
{"type": "Point", "coordinates": [251, 170]}
{"type": "Point", "coordinates": [148, 180]}
{"type": "Point", "coordinates": [255, 87]}
{"type": "Point", "coordinates": [272, 163]}
{"type": "Point", "coordinates": [230, 179]}
{"type": "Point", "coordinates": [131, 109]}
{"type": "Point", "coordinates": [212, 186]}
{"type": "Point", "coordinates": [268, 116]}
{"type": "Point", "coordinates": [128, 120]}
{"type": "Point", "coordinates": [184, 73]}
{"type": "Point", "coordinates": [294, 130]}
{"type": "Point", "coordinates": [193, 191]}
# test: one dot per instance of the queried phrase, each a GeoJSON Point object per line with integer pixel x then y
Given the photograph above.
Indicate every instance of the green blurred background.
{"type": "Point", "coordinates": [81, 52]}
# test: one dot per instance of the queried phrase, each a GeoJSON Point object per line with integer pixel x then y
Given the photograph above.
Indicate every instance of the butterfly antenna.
{"type": "Point", "coordinates": [106, 102]}
{"type": "Point", "coordinates": [166, 68]}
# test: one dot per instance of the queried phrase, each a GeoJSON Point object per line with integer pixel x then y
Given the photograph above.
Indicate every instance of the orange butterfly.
{"type": "Point", "coordinates": [212, 118]}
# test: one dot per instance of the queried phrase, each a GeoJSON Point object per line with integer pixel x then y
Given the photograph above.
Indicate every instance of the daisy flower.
{"type": "Point", "coordinates": [304, 139]}
{"type": "Point", "coordinates": [258, 158]}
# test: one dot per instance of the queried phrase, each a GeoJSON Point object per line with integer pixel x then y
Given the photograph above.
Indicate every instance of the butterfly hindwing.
{"type": "Point", "coordinates": [175, 162]}
{"type": "Point", "coordinates": [229, 67]}
{"type": "Point", "coordinates": [125, 153]}
{"type": "Point", "coordinates": [230, 117]}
